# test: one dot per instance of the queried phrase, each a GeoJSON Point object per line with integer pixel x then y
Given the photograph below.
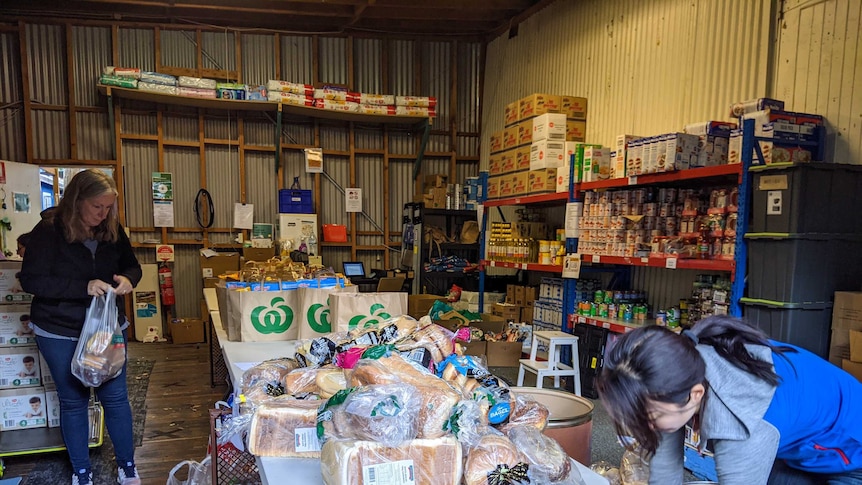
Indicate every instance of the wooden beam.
{"type": "Point", "coordinates": [157, 44]}
{"type": "Point", "coordinates": [118, 129]}
{"type": "Point", "coordinates": [202, 168]}
{"type": "Point", "coordinates": [161, 151]}
{"type": "Point", "coordinates": [25, 90]}
{"type": "Point", "coordinates": [237, 37]}
{"type": "Point", "coordinates": [70, 92]}
{"type": "Point", "coordinates": [115, 45]}
{"type": "Point", "coordinates": [199, 52]}
{"type": "Point", "coordinates": [243, 179]}
{"type": "Point", "coordinates": [277, 41]}
{"type": "Point", "coordinates": [453, 110]}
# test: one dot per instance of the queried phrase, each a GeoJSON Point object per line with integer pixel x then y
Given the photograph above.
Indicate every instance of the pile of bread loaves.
{"type": "Point", "coordinates": [399, 399]}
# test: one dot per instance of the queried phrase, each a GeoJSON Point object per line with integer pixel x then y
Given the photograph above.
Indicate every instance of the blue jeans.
{"type": "Point", "coordinates": [74, 400]}
{"type": "Point", "coordinates": [784, 475]}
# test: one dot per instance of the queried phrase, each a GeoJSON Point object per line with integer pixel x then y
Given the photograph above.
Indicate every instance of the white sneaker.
{"type": "Point", "coordinates": [83, 478]}
{"type": "Point", "coordinates": [130, 478]}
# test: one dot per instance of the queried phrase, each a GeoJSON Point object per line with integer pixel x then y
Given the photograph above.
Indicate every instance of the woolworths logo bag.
{"type": "Point", "coordinates": [315, 314]}
{"type": "Point", "coordinates": [268, 315]}
{"type": "Point", "coordinates": [360, 310]}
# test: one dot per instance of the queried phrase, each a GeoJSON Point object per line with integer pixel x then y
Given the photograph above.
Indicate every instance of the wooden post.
{"type": "Point", "coordinates": [25, 90]}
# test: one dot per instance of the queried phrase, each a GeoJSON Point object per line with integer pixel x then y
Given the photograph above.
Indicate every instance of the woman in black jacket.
{"type": "Point", "coordinates": [76, 252]}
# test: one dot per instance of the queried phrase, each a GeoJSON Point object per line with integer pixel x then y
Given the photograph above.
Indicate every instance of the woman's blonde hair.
{"type": "Point", "coordinates": [83, 186]}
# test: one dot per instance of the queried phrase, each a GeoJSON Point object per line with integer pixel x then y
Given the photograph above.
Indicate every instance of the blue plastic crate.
{"type": "Point", "coordinates": [701, 466]}
{"type": "Point", "coordinates": [292, 201]}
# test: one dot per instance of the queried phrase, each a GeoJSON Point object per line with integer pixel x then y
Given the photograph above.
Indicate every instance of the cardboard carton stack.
{"type": "Point", "coordinates": [529, 156]}
{"type": "Point", "coordinates": [846, 348]}
{"type": "Point", "coordinates": [434, 196]}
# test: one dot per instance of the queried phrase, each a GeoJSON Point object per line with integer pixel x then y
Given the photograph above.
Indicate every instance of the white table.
{"type": "Point", "coordinates": [239, 356]}
{"type": "Point", "coordinates": [307, 471]}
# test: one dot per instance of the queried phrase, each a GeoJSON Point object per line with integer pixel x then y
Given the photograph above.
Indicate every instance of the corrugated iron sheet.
{"type": "Point", "coordinates": [223, 126]}
{"type": "Point", "coordinates": [46, 48]}
{"type": "Point", "coordinates": [137, 48]}
{"type": "Point", "coordinates": [369, 177]}
{"type": "Point", "coordinates": [468, 85]}
{"type": "Point", "coordinates": [140, 160]}
{"type": "Point", "coordinates": [260, 132]}
{"type": "Point", "coordinates": [436, 80]}
{"type": "Point", "coordinates": [368, 64]}
{"type": "Point", "coordinates": [258, 58]}
{"type": "Point", "coordinates": [402, 65]}
{"type": "Point", "coordinates": [332, 210]}
{"type": "Point", "coordinates": [819, 69]}
{"type": "Point", "coordinates": [297, 64]}
{"type": "Point", "coordinates": [139, 124]}
{"type": "Point", "coordinates": [92, 53]}
{"type": "Point", "coordinates": [646, 67]}
{"type": "Point", "coordinates": [261, 186]}
{"type": "Point", "coordinates": [180, 128]}
{"type": "Point", "coordinates": [94, 137]}
{"type": "Point", "coordinates": [219, 50]}
{"type": "Point", "coordinates": [188, 285]}
{"type": "Point", "coordinates": [10, 68]}
{"type": "Point", "coordinates": [178, 48]}
{"type": "Point", "coordinates": [332, 61]}
{"type": "Point", "coordinates": [12, 144]}
{"type": "Point", "coordinates": [184, 164]}
{"type": "Point", "coordinates": [664, 287]}
{"type": "Point", "coordinates": [50, 135]}
{"type": "Point", "coordinates": [222, 183]}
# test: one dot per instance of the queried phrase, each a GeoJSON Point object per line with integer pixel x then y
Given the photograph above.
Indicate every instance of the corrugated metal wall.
{"type": "Point", "coordinates": [12, 145]}
{"type": "Point", "coordinates": [818, 69]}
{"type": "Point", "coordinates": [646, 67]}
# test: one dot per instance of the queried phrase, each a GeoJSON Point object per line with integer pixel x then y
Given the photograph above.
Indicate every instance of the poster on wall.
{"type": "Point", "coordinates": [243, 216]}
{"type": "Point", "coordinates": [353, 200]}
{"type": "Point", "coordinates": [163, 213]}
{"type": "Point", "coordinates": [163, 186]}
{"type": "Point", "coordinates": [22, 202]}
{"type": "Point", "coordinates": [314, 160]}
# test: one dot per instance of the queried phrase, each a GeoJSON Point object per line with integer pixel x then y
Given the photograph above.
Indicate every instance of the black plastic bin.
{"type": "Point", "coordinates": [803, 325]}
{"type": "Point", "coordinates": [803, 267]}
{"type": "Point", "coordinates": [815, 197]}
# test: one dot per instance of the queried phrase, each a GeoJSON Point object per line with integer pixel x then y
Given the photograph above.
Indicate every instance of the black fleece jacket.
{"type": "Point", "coordinates": [56, 272]}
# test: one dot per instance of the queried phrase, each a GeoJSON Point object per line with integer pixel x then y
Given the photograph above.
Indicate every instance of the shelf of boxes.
{"type": "Point", "coordinates": [612, 324]}
{"type": "Point", "coordinates": [550, 268]}
{"type": "Point", "coordinates": [558, 197]}
{"type": "Point", "coordinates": [700, 173]}
{"type": "Point", "coordinates": [663, 262]}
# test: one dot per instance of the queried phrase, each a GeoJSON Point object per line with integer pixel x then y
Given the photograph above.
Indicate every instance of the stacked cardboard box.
{"type": "Point", "coordinates": [518, 306]}
{"type": "Point", "coordinates": [846, 348]}
{"type": "Point", "coordinates": [434, 195]}
{"type": "Point", "coordinates": [496, 353]}
{"type": "Point", "coordinates": [529, 156]}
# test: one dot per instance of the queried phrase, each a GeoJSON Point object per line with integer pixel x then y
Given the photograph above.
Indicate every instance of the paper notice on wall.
{"type": "Point", "coordinates": [243, 216]}
{"type": "Point", "coordinates": [353, 199]}
{"type": "Point", "coordinates": [163, 186]}
{"type": "Point", "coordinates": [22, 202]}
{"type": "Point", "coordinates": [314, 160]}
{"type": "Point", "coordinates": [573, 218]}
{"type": "Point", "coordinates": [163, 213]}
{"type": "Point", "coordinates": [572, 266]}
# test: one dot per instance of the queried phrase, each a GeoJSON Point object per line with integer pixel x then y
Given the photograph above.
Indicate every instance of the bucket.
{"type": "Point", "coordinates": [570, 421]}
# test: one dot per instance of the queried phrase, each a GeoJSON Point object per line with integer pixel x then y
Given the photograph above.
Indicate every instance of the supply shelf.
{"type": "Point", "coordinates": [541, 199]}
{"type": "Point", "coordinates": [550, 268]}
{"type": "Point", "coordinates": [702, 173]}
{"type": "Point", "coordinates": [612, 324]}
{"type": "Point", "coordinates": [660, 262]}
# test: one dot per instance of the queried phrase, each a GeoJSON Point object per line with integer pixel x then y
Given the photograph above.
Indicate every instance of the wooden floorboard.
{"type": "Point", "coordinates": [179, 397]}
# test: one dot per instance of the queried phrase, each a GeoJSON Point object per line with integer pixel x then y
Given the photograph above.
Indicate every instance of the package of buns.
{"type": "Point", "coordinates": [428, 461]}
{"type": "Point", "coordinates": [302, 381]}
{"type": "Point", "coordinates": [285, 427]}
{"type": "Point", "coordinates": [548, 462]}
{"type": "Point", "coordinates": [271, 371]}
{"type": "Point", "coordinates": [495, 460]}
{"type": "Point", "coordinates": [436, 339]}
{"type": "Point", "coordinates": [526, 411]}
{"type": "Point", "coordinates": [383, 413]}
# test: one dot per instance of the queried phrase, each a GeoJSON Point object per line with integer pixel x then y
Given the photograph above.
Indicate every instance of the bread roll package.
{"type": "Point", "coordinates": [271, 371]}
{"type": "Point", "coordinates": [493, 460]}
{"type": "Point", "coordinates": [548, 462]}
{"type": "Point", "coordinates": [526, 411]}
{"type": "Point", "coordinates": [285, 427]}
{"type": "Point", "coordinates": [425, 461]}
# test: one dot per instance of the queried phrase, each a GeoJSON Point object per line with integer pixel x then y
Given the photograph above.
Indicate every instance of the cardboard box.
{"type": "Point", "coordinates": [19, 367]}
{"type": "Point", "coordinates": [511, 136]}
{"type": "Point", "coordinates": [494, 166]}
{"type": "Point", "coordinates": [520, 295]}
{"type": "Point", "coordinates": [573, 107]}
{"type": "Point", "coordinates": [503, 354]}
{"type": "Point", "coordinates": [597, 164]}
{"type": "Point", "coordinates": [10, 287]}
{"type": "Point", "coordinates": [547, 154]}
{"type": "Point", "coordinates": [211, 282]}
{"type": "Point", "coordinates": [538, 104]}
{"type": "Point", "coordinates": [522, 158]}
{"type": "Point", "coordinates": [576, 130]}
{"type": "Point", "coordinates": [218, 264]}
{"type": "Point", "coordinates": [495, 144]}
{"type": "Point", "coordinates": [525, 132]}
{"type": "Point", "coordinates": [187, 331]}
{"type": "Point", "coordinates": [563, 179]}
{"type": "Point", "coordinates": [507, 162]}
{"type": "Point", "coordinates": [535, 230]}
{"type": "Point", "coordinates": [549, 126]}
{"type": "Point", "coordinates": [435, 198]}
{"type": "Point", "coordinates": [419, 305]}
{"type": "Point", "coordinates": [852, 368]}
{"type": "Point", "coordinates": [846, 316]}
{"type": "Point", "coordinates": [521, 183]}
{"type": "Point", "coordinates": [527, 314]}
{"type": "Point", "coordinates": [506, 186]}
{"type": "Point", "coordinates": [52, 406]}
{"type": "Point", "coordinates": [23, 408]}
{"type": "Point", "coordinates": [680, 152]}
{"type": "Point", "coordinates": [618, 164]}
{"type": "Point", "coordinates": [507, 311]}
{"type": "Point", "coordinates": [493, 188]}
{"type": "Point", "coordinates": [543, 181]}
{"type": "Point", "coordinates": [513, 113]}
{"type": "Point", "coordinates": [258, 254]}
{"type": "Point", "coordinates": [855, 346]}
{"type": "Point", "coordinates": [15, 326]}
{"type": "Point", "coordinates": [437, 180]}
{"type": "Point", "coordinates": [530, 294]}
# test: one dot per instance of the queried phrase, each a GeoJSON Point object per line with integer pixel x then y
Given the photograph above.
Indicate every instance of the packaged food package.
{"type": "Point", "coordinates": [372, 109]}
{"type": "Point", "coordinates": [255, 92]}
{"type": "Point", "coordinates": [548, 462]}
{"type": "Point", "coordinates": [383, 413]}
{"type": "Point", "coordinates": [156, 88]}
{"type": "Point", "coordinates": [634, 470]}
{"type": "Point", "coordinates": [132, 72]}
{"type": "Point", "coordinates": [302, 380]}
{"type": "Point", "coordinates": [415, 111]}
{"type": "Point", "coordinates": [329, 381]}
{"type": "Point", "coordinates": [438, 340]}
{"type": "Point", "coordinates": [119, 81]}
{"type": "Point", "coordinates": [196, 92]}
{"type": "Point", "coordinates": [285, 427]}
{"type": "Point", "coordinates": [289, 98]}
{"type": "Point", "coordinates": [526, 411]}
{"type": "Point", "coordinates": [288, 87]}
{"type": "Point", "coordinates": [196, 82]}
{"type": "Point", "coordinates": [438, 398]}
{"type": "Point", "coordinates": [431, 461]}
{"type": "Point", "coordinates": [336, 105]}
{"type": "Point", "coordinates": [272, 371]}
{"type": "Point", "coordinates": [157, 78]}
{"type": "Point", "coordinates": [331, 93]}
{"type": "Point", "coordinates": [374, 99]}
{"type": "Point", "coordinates": [416, 101]}
{"type": "Point", "coordinates": [495, 459]}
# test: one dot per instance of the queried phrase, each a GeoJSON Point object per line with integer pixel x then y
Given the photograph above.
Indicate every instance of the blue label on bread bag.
{"type": "Point", "coordinates": [499, 413]}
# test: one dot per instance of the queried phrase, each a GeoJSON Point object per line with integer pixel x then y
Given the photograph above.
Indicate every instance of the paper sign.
{"type": "Point", "coordinates": [163, 213]}
{"type": "Point", "coordinates": [670, 263]}
{"type": "Point", "coordinates": [573, 218]}
{"type": "Point", "coordinates": [572, 266]}
{"type": "Point", "coordinates": [243, 216]}
{"type": "Point", "coordinates": [22, 202]}
{"type": "Point", "coordinates": [773, 202]}
{"type": "Point", "coordinates": [353, 199]}
{"type": "Point", "coordinates": [165, 252]}
{"type": "Point", "coordinates": [163, 186]}
{"type": "Point", "coordinates": [773, 182]}
{"type": "Point", "coordinates": [314, 160]}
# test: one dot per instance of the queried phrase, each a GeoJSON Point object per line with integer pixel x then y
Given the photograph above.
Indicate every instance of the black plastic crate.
{"type": "Point", "coordinates": [806, 326]}
{"type": "Point", "coordinates": [814, 197]}
{"type": "Point", "coordinates": [802, 267]}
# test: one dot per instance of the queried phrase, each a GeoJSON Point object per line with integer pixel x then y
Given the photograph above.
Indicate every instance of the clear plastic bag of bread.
{"type": "Point", "coordinates": [548, 462]}
{"type": "Point", "coordinates": [495, 459]}
{"type": "Point", "coordinates": [101, 351]}
{"type": "Point", "coordinates": [526, 411]}
{"type": "Point", "coordinates": [436, 339]}
{"type": "Point", "coordinates": [383, 413]}
{"type": "Point", "coordinates": [269, 371]}
{"type": "Point", "coordinates": [634, 469]}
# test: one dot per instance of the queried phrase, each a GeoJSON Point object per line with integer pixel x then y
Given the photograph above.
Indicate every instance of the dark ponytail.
{"type": "Point", "coordinates": [729, 336]}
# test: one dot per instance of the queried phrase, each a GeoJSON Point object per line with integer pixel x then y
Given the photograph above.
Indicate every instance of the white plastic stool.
{"type": "Point", "coordinates": [552, 367]}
